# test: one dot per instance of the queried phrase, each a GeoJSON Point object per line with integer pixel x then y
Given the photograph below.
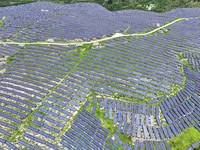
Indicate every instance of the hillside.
{"type": "Point", "coordinates": [114, 5]}
{"type": "Point", "coordinates": [81, 77]}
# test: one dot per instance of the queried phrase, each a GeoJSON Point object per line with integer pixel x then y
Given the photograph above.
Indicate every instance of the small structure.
{"type": "Point", "coordinates": [50, 40]}
{"type": "Point", "coordinates": [95, 43]}
{"type": "Point", "coordinates": [21, 44]}
{"type": "Point", "coordinates": [4, 17]}
{"type": "Point", "coordinates": [158, 25]}
{"type": "Point", "coordinates": [79, 44]}
{"type": "Point", "coordinates": [45, 10]}
{"type": "Point", "coordinates": [151, 6]}
{"type": "Point", "coordinates": [165, 30]}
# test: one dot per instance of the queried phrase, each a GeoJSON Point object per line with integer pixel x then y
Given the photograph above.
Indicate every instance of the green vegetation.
{"type": "Point", "coordinates": [1, 21]}
{"type": "Point", "coordinates": [9, 59]}
{"type": "Point", "coordinates": [114, 5]}
{"type": "Point", "coordinates": [185, 139]}
{"type": "Point", "coordinates": [108, 124]}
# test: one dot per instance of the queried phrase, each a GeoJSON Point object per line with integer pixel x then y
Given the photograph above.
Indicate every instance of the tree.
{"type": "Point", "coordinates": [110, 1]}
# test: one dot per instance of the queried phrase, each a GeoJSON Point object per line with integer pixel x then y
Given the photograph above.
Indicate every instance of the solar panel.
{"type": "Point", "coordinates": [148, 110]}
{"type": "Point", "coordinates": [135, 108]}
{"type": "Point", "coordinates": [165, 132]}
{"type": "Point", "coordinates": [124, 116]}
{"type": "Point", "coordinates": [119, 115]}
{"type": "Point", "coordinates": [139, 108]}
{"type": "Point", "coordinates": [101, 102]}
{"type": "Point", "coordinates": [94, 99]}
{"type": "Point", "coordinates": [124, 127]}
{"type": "Point", "coordinates": [137, 119]}
{"type": "Point", "coordinates": [118, 139]}
{"type": "Point", "coordinates": [161, 145]}
{"type": "Point", "coordinates": [133, 118]}
{"type": "Point", "coordinates": [93, 109]}
{"type": "Point", "coordinates": [109, 103]}
{"type": "Point", "coordinates": [129, 129]}
{"type": "Point", "coordinates": [152, 110]}
{"type": "Point", "coordinates": [146, 135]}
{"type": "Point", "coordinates": [125, 146]}
{"type": "Point", "coordinates": [119, 127]}
{"type": "Point", "coordinates": [126, 105]}
{"type": "Point", "coordinates": [130, 106]}
{"type": "Point", "coordinates": [130, 147]}
{"type": "Point", "coordinates": [143, 109]}
{"type": "Point", "coordinates": [118, 104]}
{"type": "Point", "coordinates": [115, 118]}
{"type": "Point", "coordinates": [169, 131]}
{"type": "Point", "coordinates": [113, 142]}
{"type": "Point", "coordinates": [167, 145]}
{"type": "Point", "coordinates": [113, 104]}
{"type": "Point", "coordinates": [152, 120]}
{"type": "Point", "coordinates": [110, 113]}
{"type": "Point", "coordinates": [146, 145]}
{"type": "Point", "coordinates": [128, 117]}
{"type": "Point", "coordinates": [141, 146]}
{"type": "Point", "coordinates": [147, 120]}
{"type": "Point", "coordinates": [151, 145]}
{"type": "Point", "coordinates": [161, 133]}
{"type": "Point", "coordinates": [133, 131]}
{"type": "Point", "coordinates": [156, 133]}
{"type": "Point", "coordinates": [139, 131]}
{"type": "Point", "coordinates": [190, 120]}
{"type": "Point", "coordinates": [136, 145]}
{"type": "Point", "coordinates": [122, 105]}
{"type": "Point", "coordinates": [105, 112]}
{"type": "Point", "coordinates": [105, 102]}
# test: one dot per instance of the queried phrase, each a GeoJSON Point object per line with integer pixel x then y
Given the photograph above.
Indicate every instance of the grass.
{"type": "Point", "coordinates": [1, 21]}
{"type": "Point", "coordinates": [185, 139]}
{"type": "Point", "coordinates": [108, 124]}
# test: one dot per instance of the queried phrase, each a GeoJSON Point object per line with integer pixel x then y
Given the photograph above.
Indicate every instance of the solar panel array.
{"type": "Point", "coordinates": [85, 133]}
{"type": "Point", "coordinates": [41, 21]}
{"type": "Point", "coordinates": [43, 87]}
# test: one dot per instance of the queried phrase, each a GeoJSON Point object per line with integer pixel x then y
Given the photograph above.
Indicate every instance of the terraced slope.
{"type": "Point", "coordinates": [124, 93]}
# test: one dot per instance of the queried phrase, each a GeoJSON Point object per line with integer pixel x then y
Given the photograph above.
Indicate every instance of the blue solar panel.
{"type": "Point", "coordinates": [150, 132]}
{"type": "Point", "coordinates": [156, 133]}
{"type": "Point", "coordinates": [139, 131]}
{"type": "Point", "coordinates": [134, 130]}
{"type": "Point", "coordinates": [110, 113]}
{"type": "Point", "coordinates": [125, 146]}
{"type": "Point", "coordinates": [122, 105]}
{"type": "Point", "coordinates": [113, 104]}
{"type": "Point", "coordinates": [119, 115]}
{"type": "Point", "coordinates": [105, 112]}
{"type": "Point", "coordinates": [124, 127]}
{"type": "Point", "coordinates": [115, 118]}
{"type": "Point", "coordinates": [119, 127]}
{"type": "Point", "coordinates": [118, 139]}
{"type": "Point", "coordinates": [93, 109]}
{"type": "Point", "coordinates": [133, 118]}
{"type": "Point", "coordinates": [86, 103]}
{"type": "Point", "coordinates": [124, 116]}
{"type": "Point", "coordinates": [130, 106]}
{"type": "Point", "coordinates": [113, 142]}
{"type": "Point", "coordinates": [161, 133]}
{"type": "Point", "coordinates": [101, 102]}
{"type": "Point", "coordinates": [165, 132]}
{"type": "Point", "coordinates": [136, 145]}
{"type": "Point", "coordinates": [129, 129]}
{"type": "Point", "coordinates": [94, 99]}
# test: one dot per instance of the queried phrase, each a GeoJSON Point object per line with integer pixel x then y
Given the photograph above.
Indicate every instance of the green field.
{"type": "Point", "coordinates": [113, 5]}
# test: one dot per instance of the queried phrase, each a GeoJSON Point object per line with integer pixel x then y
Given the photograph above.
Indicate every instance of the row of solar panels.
{"type": "Point", "coordinates": [134, 130]}
{"type": "Point", "coordinates": [128, 106]}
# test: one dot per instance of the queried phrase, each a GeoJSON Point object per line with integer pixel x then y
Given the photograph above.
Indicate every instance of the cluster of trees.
{"type": "Point", "coordinates": [114, 5]}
